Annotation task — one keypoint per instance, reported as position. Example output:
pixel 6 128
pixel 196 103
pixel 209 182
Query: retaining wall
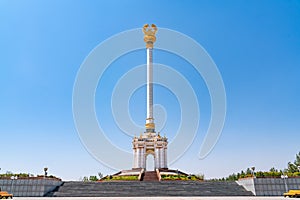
pixel 269 186
pixel 29 187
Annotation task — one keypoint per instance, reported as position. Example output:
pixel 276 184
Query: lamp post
pixel 12 183
pixel 284 177
pixel 253 169
pixel 46 172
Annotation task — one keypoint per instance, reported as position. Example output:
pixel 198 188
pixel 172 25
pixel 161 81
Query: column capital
pixel 149 35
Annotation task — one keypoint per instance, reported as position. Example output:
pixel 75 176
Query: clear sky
pixel 255 44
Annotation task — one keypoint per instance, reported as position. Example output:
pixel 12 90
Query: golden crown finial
pixel 149 34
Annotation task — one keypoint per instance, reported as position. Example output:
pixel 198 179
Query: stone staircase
pixel 149 188
pixel 150 176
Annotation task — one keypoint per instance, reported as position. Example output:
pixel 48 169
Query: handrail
pixel 158 174
pixel 141 173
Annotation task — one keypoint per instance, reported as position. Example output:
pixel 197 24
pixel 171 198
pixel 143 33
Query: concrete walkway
pixel 149 198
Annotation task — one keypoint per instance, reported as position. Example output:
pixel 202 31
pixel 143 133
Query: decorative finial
pixel 149 35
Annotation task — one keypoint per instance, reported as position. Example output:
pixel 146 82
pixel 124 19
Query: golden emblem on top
pixel 149 34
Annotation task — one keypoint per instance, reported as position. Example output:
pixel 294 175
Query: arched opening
pixel 150 162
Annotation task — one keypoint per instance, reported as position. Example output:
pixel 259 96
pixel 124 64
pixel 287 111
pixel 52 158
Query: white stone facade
pixel 150 143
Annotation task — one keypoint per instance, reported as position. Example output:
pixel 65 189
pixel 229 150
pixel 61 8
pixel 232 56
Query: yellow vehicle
pixel 292 193
pixel 5 195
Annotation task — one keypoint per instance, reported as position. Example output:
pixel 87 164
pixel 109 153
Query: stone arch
pixel 150 160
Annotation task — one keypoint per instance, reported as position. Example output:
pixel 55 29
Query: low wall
pixel 29 187
pixel 269 186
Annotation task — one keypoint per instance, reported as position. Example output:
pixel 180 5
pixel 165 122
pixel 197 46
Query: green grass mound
pixel 121 178
pixel 180 178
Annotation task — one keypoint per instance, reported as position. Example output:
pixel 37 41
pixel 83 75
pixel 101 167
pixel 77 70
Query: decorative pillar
pixel 161 158
pixel 144 158
pixel 156 158
pixel 141 158
pixel 166 160
pixel 134 158
pixel 138 157
pixel 149 38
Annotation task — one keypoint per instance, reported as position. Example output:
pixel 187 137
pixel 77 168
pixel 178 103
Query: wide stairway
pixel 141 188
pixel 150 176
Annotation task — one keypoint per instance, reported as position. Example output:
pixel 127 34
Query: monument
pixel 150 143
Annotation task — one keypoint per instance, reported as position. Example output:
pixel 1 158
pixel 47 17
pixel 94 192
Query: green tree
pixel 85 179
pixel 232 177
pixel 93 178
pixel 238 176
pixel 293 167
pixel 243 175
pixel 273 169
pixel 248 171
pixel 260 174
pixel 297 161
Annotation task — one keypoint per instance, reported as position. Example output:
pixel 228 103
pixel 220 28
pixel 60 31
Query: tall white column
pixel 158 158
pixel 138 157
pixel 149 86
pixel 143 158
pixel 161 158
pixel 134 158
pixel 166 161
pixel 156 161
pixel 149 38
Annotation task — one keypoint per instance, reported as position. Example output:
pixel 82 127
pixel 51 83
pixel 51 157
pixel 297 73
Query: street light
pixel 284 177
pixel 253 169
pixel 12 182
pixel 46 172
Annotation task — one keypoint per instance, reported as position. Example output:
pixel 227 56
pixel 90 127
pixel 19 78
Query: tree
pixel 273 169
pixel 293 167
pixel 100 175
pixel 297 161
pixel 200 176
pixel 248 171
pixel 85 179
pixel 93 178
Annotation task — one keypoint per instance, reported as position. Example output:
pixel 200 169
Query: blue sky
pixel 255 44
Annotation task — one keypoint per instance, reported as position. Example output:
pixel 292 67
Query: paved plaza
pixel 150 198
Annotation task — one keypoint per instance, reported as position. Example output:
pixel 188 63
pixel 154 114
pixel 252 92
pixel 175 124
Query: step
pixel 149 188
pixel 150 176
